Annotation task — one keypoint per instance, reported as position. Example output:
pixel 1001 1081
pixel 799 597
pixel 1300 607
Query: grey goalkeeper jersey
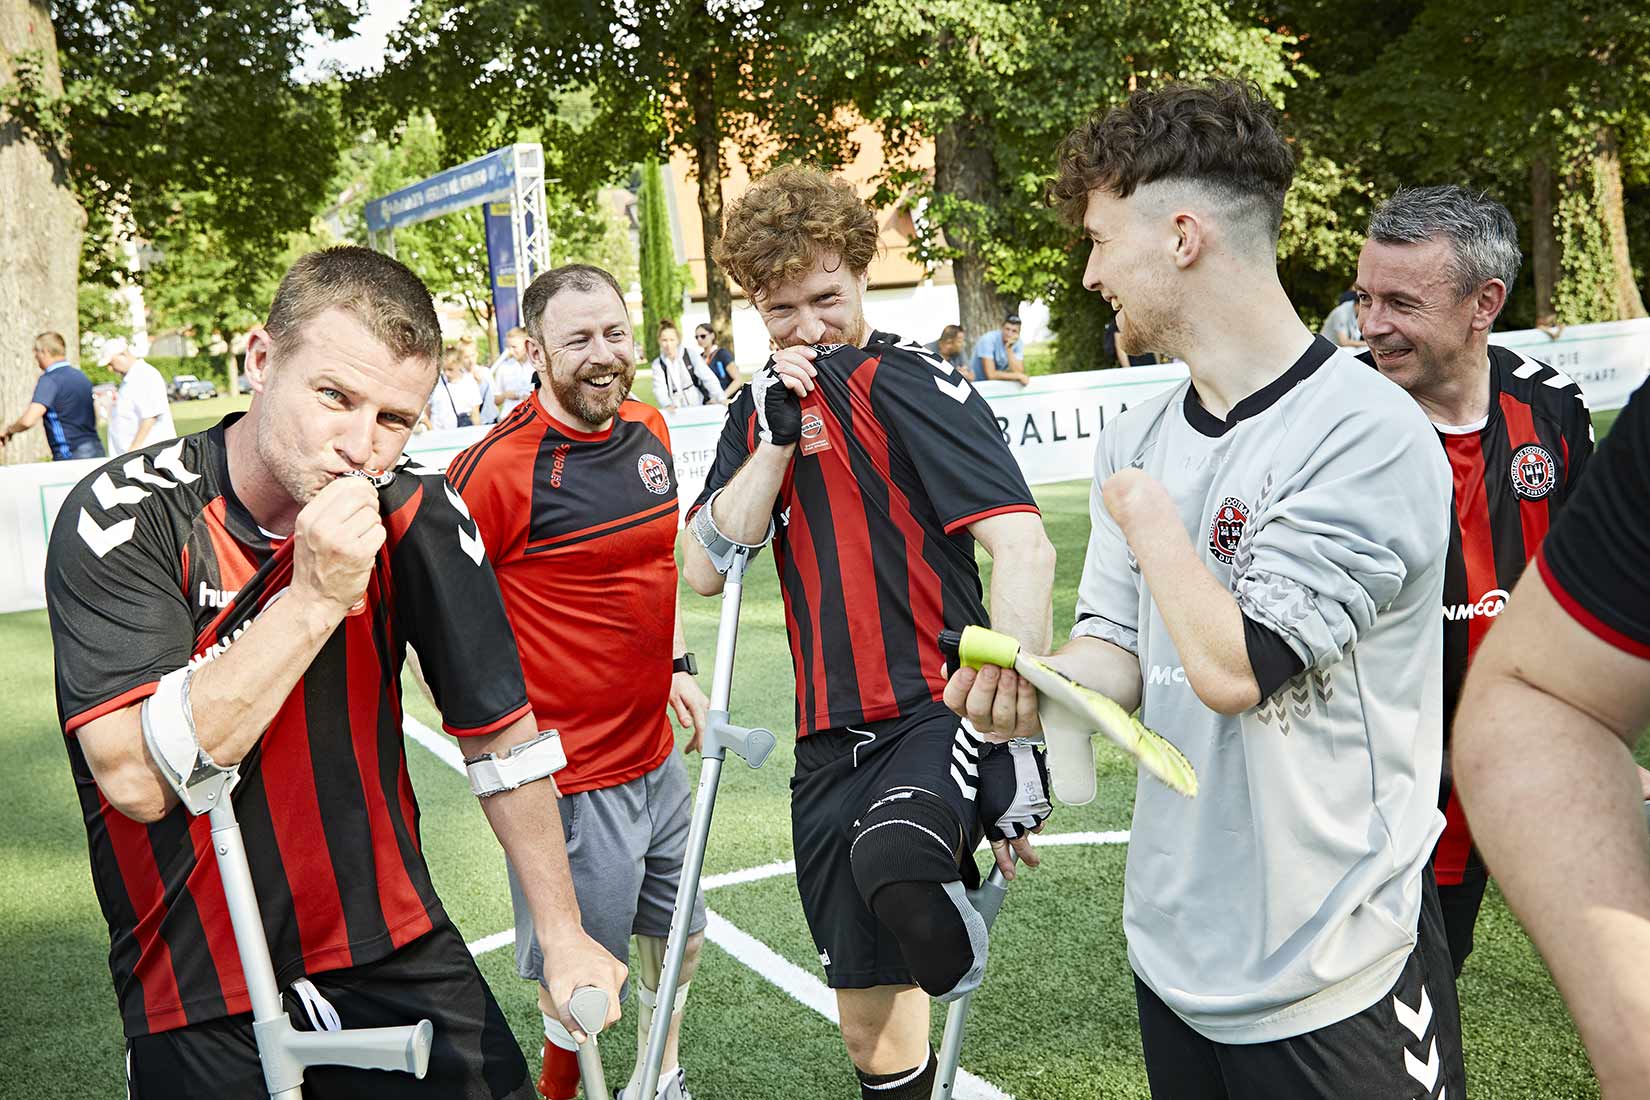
pixel 1285 897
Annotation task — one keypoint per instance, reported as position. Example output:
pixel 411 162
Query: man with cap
pixel 142 413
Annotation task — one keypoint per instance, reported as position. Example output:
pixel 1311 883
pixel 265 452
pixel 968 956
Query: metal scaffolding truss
pixel 528 221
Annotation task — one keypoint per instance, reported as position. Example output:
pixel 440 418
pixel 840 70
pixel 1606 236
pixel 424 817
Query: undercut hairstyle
pixel 1221 136
pixel 787 219
pixel 585 278
pixel 949 331
pixel 1482 235
pixel 52 344
pixel 380 292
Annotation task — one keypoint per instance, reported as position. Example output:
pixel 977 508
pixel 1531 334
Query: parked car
pixel 186 387
pixel 243 383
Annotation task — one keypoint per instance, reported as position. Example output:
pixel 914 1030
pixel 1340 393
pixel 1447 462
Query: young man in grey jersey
pixel 1262 579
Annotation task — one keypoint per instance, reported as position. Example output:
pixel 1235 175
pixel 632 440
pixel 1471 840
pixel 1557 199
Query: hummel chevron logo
pixel 458 503
pixel 929 357
pixel 171 461
pixel 1424 1072
pixel 134 471
pixel 956 391
pixel 1414 1020
pixel 110 497
pixel 470 544
pixel 102 540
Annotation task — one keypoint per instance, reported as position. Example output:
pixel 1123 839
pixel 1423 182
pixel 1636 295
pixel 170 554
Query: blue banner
pixel 501 266
pixel 472 182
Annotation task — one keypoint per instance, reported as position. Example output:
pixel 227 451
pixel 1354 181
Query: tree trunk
pixel 707 165
pixel 1607 166
pixel 964 169
pixel 1544 247
pixel 41 223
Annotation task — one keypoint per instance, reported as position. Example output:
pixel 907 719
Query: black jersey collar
pixel 1207 423
pixel 237 518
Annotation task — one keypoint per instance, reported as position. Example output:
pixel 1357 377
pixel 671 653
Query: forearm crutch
pixel 753 745
pixel 284 1051
pixel 988 900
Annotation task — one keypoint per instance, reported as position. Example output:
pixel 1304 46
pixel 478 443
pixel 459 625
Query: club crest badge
pixel 654 473
pixel 1227 529
pixel 1533 471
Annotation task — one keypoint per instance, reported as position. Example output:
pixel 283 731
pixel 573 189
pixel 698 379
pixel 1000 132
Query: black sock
pixel 910 1084
pixel 933 940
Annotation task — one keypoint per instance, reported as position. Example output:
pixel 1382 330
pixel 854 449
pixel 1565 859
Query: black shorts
pixel 1461 903
pixel 1375 1055
pixel 839 773
pixel 474 1055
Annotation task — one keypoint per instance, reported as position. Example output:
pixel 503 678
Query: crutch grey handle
pixel 286 1052
pixel 588 1007
pixel 988 899
pixel 751 744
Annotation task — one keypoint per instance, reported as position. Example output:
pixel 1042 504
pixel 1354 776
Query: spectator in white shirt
pixel 680 378
pixel 456 400
pixel 512 373
pixel 142 414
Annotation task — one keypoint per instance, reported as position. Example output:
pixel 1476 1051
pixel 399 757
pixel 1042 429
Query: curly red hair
pixel 788 218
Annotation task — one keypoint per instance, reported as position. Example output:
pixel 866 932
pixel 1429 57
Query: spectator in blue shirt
pixel 997 354
pixel 62 402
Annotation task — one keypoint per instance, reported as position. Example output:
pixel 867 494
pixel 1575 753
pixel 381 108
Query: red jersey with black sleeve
pixel 1593 562
pixel 898 455
pixel 154 563
pixel 1513 474
pixel 581 530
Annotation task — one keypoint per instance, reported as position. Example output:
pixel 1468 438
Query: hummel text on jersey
pixel 1489 605
pixel 216 597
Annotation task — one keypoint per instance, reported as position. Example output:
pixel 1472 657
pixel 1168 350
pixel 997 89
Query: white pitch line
pixel 492 943
pixel 768 964
pixel 749 874
pixel 435 742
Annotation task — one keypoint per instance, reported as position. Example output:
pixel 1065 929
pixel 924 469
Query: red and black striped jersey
pixel 154 563
pixel 898 455
pixel 1513 473
pixel 1594 561
pixel 581 530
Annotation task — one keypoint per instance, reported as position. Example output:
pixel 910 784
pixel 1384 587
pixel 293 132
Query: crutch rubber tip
pixel 588 1006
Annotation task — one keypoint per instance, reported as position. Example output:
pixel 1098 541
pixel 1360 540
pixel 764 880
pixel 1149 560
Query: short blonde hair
pixel 778 228
pixel 51 343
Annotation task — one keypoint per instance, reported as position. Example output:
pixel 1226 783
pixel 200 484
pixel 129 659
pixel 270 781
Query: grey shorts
pixel 626 846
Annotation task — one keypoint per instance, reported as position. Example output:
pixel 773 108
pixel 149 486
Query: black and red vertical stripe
pixel 870 568
pixel 1512 476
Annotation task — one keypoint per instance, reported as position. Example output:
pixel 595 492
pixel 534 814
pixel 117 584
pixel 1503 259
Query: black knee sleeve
pixel 905 854
pixel 912 1084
